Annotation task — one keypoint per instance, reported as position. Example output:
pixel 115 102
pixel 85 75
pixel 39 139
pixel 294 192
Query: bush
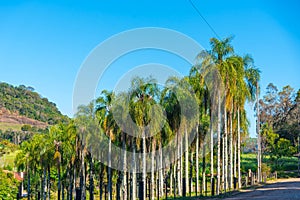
pixel 8 186
pixel 265 168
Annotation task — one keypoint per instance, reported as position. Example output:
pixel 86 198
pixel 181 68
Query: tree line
pixel 26 102
pixel 66 160
pixel 280 122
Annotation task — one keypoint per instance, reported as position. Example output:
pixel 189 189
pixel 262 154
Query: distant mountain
pixel 18 103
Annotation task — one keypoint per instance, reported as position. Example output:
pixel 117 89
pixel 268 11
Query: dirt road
pixel 282 189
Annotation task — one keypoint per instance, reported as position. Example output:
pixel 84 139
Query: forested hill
pixel 25 101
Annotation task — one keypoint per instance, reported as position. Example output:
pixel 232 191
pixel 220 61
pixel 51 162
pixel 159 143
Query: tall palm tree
pixel 222 52
pixel 104 104
pixel 143 95
pixel 172 108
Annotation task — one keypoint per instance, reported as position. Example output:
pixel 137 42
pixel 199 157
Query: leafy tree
pixel 8 186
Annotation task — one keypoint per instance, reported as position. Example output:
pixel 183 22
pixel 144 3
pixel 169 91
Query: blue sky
pixel 43 43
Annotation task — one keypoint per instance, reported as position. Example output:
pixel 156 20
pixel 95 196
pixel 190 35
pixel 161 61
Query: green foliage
pixel 275 146
pixel 8 186
pixel 28 103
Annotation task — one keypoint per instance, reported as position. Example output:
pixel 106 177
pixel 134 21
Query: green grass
pixel 6 126
pixel 8 159
pixel 286 166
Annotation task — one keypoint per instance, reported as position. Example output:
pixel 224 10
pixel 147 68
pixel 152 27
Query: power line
pixel 198 11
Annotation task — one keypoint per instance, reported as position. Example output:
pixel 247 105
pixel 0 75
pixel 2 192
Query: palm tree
pixel 172 108
pixel 222 52
pixel 143 95
pixel 104 104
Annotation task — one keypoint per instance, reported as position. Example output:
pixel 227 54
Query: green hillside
pixel 26 102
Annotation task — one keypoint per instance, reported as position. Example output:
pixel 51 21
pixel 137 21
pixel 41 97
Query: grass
pixel 6 126
pixel 7 160
pixel 286 166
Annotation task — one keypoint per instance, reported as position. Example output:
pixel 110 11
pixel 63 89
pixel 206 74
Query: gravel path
pixel 282 189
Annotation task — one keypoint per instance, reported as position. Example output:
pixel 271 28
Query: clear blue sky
pixel 43 43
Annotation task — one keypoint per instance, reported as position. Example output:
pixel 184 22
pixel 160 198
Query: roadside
pixel 279 189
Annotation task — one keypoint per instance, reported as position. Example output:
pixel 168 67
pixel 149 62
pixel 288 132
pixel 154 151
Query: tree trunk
pixel 48 183
pixel 181 164
pixel 43 191
pixel 203 167
pixel 175 179
pixel 230 152
pixel 91 178
pixel 239 151
pixel 109 175
pixel 134 173
pixel 186 149
pixel 179 167
pixel 124 193
pixel 70 195
pixel 59 182
pixel 82 178
pixel 197 160
pixel 153 169
pixel 62 191
pixel 191 174
pixel 101 181
pixel 144 166
pixel 28 183
pixel 226 149
pixel 234 158
pixel 223 162
pixel 211 154
pixel 219 147
pixel 171 179
pixel 161 177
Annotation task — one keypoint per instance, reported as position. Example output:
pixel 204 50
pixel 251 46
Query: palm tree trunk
pixel 171 179
pixel 109 172
pixel 235 158
pixel 58 183
pixel 43 193
pixel 181 165
pixel 186 160
pixel 134 173
pixel 175 179
pixel 48 182
pixel 91 178
pixel 124 167
pixel 197 160
pixel 191 174
pixel 219 147
pixel 62 191
pixel 203 167
pixel 211 155
pixel 239 150
pixel 161 177
pixel 82 177
pixel 144 166
pixel 226 149
pixel 152 170
pixel 230 152
pixel 101 181
pixel 28 183
pixel 223 162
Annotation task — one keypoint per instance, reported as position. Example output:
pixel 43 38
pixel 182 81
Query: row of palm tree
pixel 204 111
